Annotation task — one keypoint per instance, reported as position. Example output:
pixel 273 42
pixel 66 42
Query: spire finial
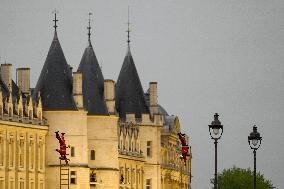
pixel 55 19
pixel 128 30
pixel 89 28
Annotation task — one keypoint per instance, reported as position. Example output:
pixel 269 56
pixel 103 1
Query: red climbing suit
pixel 184 148
pixel 62 149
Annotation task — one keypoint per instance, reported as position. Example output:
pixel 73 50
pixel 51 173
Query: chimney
pixel 77 89
pixel 109 95
pixel 6 75
pixel 153 98
pixel 23 76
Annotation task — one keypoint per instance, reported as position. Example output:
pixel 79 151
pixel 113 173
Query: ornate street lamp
pixel 216 131
pixel 254 140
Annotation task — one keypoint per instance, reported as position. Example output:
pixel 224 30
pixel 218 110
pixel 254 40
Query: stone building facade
pixel 119 136
pixel 22 133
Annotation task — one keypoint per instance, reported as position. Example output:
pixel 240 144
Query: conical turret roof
pixel 129 92
pixel 93 83
pixel 55 80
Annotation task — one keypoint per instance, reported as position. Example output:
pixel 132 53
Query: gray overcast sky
pixel 207 56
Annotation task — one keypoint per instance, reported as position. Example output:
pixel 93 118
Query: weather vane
pixel 55 19
pixel 128 29
pixel 89 27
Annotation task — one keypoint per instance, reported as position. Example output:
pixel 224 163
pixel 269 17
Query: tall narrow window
pixel 41 155
pixel 72 153
pixel 148 183
pixel 73 177
pixel 93 155
pixel 133 175
pixel 11 152
pixel 138 177
pixel 1 150
pixel 149 148
pixel 32 154
pixel 21 153
pixel 22 185
pixel 126 179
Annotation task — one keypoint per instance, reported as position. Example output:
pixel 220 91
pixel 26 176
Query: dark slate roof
pixel 55 80
pixel 129 92
pixel 93 83
pixel 5 90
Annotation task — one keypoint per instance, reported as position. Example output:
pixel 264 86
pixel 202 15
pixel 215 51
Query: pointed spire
pixel 128 31
pixel 55 70
pixel 89 29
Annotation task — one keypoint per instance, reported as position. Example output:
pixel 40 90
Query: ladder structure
pixel 64 175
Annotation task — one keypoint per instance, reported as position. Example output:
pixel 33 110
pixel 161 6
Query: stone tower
pixel 59 108
pixel 102 128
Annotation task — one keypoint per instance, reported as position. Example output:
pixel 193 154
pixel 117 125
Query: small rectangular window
pixel 93 177
pixel 73 177
pixel 149 148
pixel 93 155
pixel 72 153
pixel 148 183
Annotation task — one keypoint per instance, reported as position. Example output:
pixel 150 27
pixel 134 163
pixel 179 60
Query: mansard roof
pixel 55 80
pixel 93 83
pixel 129 92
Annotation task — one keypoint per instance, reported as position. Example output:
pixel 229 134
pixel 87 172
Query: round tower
pixel 62 114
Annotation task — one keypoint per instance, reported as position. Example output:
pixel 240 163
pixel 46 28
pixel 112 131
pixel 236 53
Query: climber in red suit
pixel 184 148
pixel 62 149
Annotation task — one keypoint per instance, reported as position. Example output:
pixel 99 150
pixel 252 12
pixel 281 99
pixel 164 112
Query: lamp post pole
pixel 215 133
pixel 254 169
pixel 215 175
pixel 254 140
